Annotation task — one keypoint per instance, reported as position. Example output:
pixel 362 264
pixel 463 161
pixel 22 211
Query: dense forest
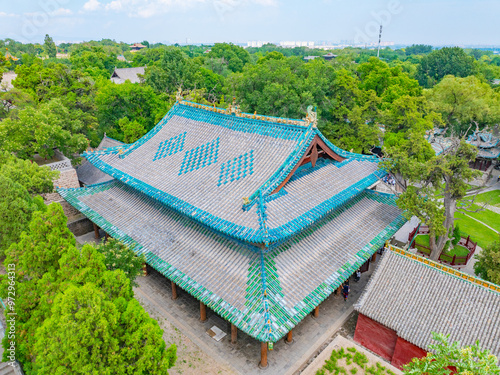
pixel 354 94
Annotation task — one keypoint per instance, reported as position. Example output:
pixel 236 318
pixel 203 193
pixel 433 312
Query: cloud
pixel 151 8
pixel 91 5
pixel 3 14
pixel 61 12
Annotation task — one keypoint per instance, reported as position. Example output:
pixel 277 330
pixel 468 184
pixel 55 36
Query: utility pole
pixel 379 39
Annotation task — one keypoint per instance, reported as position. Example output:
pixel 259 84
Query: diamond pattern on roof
pixel 170 146
pixel 201 156
pixel 239 167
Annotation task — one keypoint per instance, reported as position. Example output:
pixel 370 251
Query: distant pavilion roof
pixel 415 296
pixel 223 171
pixel 260 218
pixel 487 144
pixel 120 75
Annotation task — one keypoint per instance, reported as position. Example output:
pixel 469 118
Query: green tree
pixel 115 102
pixel 132 130
pixel 418 49
pixel 16 208
pixel 13 101
pixel 488 263
pixel 465 101
pixel 445 61
pixel 119 256
pixel 433 184
pixel 89 334
pixel 469 360
pixel 93 61
pixel 410 112
pixel 390 83
pixel 80 337
pixel 49 46
pixel 19 179
pixel 35 179
pixel 42 129
pixel 173 70
pixel 234 56
pixel 36 258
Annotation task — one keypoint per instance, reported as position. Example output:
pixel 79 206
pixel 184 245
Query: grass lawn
pixel 486 216
pixel 477 231
pixel 423 240
pixel 492 197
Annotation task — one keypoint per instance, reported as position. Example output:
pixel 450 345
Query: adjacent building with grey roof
pixel 414 296
pixel 132 74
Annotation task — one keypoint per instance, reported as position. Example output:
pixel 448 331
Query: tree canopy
pixel 488 263
pixel 469 360
pixel 442 62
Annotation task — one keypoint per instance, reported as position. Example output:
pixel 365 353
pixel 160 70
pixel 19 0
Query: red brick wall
pixel 376 337
pixel 404 352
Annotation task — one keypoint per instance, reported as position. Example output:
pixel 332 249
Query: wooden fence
pixel 445 258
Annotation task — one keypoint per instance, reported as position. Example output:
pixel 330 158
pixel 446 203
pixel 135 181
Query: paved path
pixel 154 293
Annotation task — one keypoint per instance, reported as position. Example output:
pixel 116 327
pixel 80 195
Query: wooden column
pixel 316 312
pixel 203 312
pixel 144 269
pixel 374 257
pixel 289 338
pixel 263 355
pixel 234 334
pixel 174 290
pixel 96 231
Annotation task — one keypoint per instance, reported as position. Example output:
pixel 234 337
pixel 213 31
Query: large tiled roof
pixel 90 175
pixel 265 292
pixel 415 296
pixel 203 163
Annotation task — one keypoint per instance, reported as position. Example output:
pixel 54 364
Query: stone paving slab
pixel 154 292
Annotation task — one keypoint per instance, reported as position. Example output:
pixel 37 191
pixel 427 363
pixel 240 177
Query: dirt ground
pixel 191 360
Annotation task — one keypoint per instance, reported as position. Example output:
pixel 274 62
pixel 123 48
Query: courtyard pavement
pixel 154 293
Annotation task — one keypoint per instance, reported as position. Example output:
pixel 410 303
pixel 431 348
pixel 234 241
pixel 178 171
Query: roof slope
pixel 203 162
pixel 90 175
pixel 120 75
pixel 265 293
pixel 415 296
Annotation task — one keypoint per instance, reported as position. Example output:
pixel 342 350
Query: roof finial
pixel 178 96
pixel 312 116
pixel 233 109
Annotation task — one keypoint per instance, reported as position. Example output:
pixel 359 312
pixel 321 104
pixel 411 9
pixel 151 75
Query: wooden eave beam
pixel 309 156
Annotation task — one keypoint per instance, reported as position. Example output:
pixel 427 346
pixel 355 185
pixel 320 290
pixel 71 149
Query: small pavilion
pixel 259 218
pixel 488 148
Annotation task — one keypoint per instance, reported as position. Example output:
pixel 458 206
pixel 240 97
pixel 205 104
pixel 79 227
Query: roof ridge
pixel 234 110
pixel 445 269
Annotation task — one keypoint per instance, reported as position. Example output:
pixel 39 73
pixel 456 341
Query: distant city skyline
pixel 438 22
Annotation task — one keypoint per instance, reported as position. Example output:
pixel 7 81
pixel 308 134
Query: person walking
pixel 357 275
pixel 345 290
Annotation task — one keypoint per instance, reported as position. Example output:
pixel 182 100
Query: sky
pixel 436 22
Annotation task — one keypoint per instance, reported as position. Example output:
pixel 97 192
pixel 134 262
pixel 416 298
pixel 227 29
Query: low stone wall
pixel 80 226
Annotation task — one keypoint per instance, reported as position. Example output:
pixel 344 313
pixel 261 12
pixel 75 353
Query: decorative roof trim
pixel 234 110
